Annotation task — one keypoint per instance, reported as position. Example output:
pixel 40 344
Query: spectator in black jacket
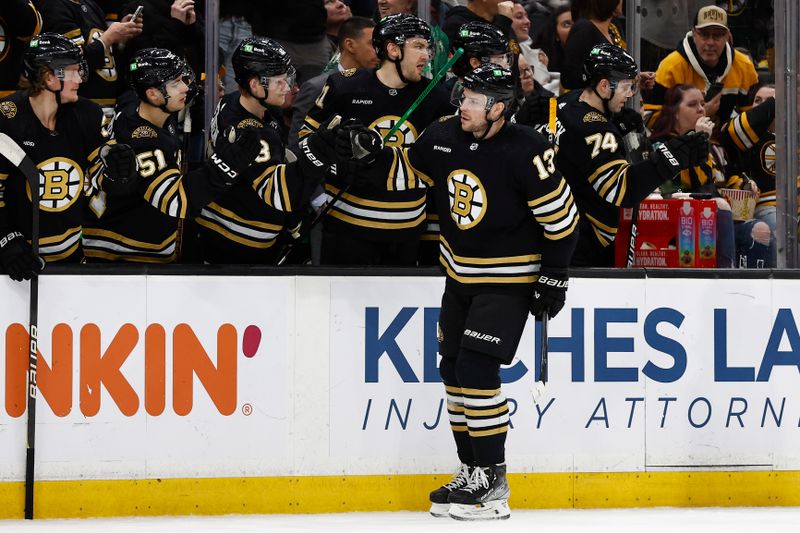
pixel 173 25
pixel 84 23
pixel 19 23
pixel 299 26
pixel 476 11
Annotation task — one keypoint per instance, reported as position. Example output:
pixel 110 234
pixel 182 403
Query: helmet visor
pixel 280 83
pixel 75 73
pixel 468 100
pixel 628 87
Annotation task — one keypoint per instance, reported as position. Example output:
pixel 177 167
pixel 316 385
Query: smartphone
pixel 714 90
pixel 137 13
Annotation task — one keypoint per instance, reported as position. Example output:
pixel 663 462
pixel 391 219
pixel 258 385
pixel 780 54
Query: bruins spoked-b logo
pixel 404 136
pixel 467 198
pixel 60 184
pixel 768 157
pixel 3 43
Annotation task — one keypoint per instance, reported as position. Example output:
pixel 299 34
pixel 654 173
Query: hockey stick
pixel 19 159
pixel 538 388
pixel 424 94
pixel 187 132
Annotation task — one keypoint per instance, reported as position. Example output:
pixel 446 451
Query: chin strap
pixel 399 68
pixel 605 101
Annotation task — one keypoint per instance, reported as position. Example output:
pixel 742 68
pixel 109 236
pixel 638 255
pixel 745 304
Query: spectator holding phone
pixel 706 59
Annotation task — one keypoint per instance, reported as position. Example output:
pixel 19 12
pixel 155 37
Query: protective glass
pixel 282 83
pixel 628 87
pixel 469 101
pixel 77 73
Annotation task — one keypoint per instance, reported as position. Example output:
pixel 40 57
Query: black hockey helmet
pixel 54 51
pixel 262 58
pixel 493 81
pixel 480 40
pixel 609 62
pixel 154 67
pixel 397 29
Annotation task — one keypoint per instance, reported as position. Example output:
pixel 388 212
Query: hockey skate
pixel 440 507
pixel 485 496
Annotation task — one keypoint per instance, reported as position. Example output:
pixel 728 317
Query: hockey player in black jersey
pixel 592 157
pixel 243 224
pixel 482 43
pixel 371 225
pixel 508 229
pixel 62 134
pixel 141 224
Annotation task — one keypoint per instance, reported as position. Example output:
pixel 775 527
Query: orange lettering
pixel 105 369
pixel 55 384
pixel 190 358
pixel 154 366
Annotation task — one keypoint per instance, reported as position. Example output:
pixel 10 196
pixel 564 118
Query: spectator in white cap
pixel 706 59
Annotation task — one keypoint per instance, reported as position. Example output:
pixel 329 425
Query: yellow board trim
pixel 330 494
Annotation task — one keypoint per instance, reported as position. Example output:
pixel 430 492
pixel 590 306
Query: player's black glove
pixel 319 148
pixel 234 151
pixel 550 292
pixel 120 175
pixel 679 152
pixel 17 258
pixel 535 110
pixel 628 120
pixel 358 143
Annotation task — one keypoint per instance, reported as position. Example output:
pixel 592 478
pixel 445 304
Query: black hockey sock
pixel 455 410
pixel 485 407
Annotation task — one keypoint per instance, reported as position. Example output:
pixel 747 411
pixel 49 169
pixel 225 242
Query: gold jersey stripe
pixel 213 206
pixel 509 260
pixel 110 235
pixel 55 239
pixel 368 223
pixel 133 258
pixel 213 226
pixel 389 206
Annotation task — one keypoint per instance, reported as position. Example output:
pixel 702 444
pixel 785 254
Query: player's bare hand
pixel 505 8
pixel 183 10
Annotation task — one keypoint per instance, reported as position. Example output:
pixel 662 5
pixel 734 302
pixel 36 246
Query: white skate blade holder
pixel 493 510
pixel 440 510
